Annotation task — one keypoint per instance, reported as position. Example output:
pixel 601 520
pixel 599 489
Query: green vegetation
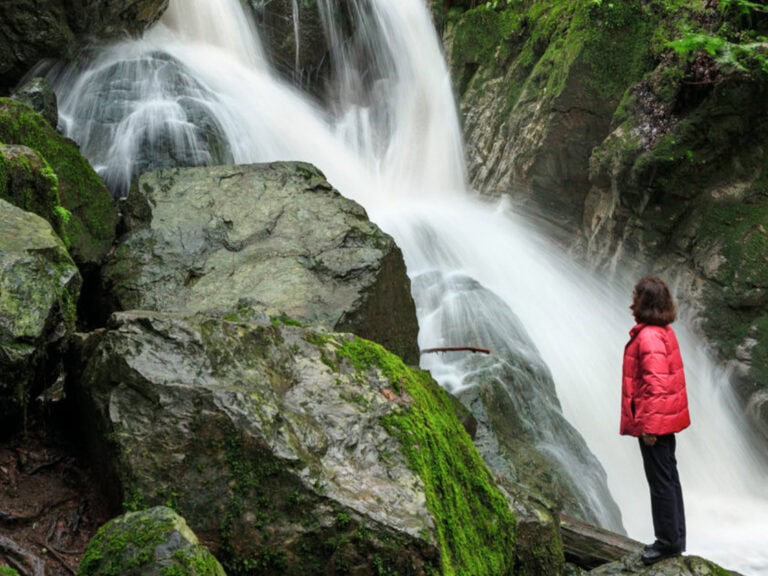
pixel 130 544
pixel 474 524
pixel 119 546
pixel 737 44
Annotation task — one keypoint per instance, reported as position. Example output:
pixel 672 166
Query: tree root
pixel 22 558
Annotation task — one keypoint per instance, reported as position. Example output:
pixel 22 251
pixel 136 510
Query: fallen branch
pixel 456 349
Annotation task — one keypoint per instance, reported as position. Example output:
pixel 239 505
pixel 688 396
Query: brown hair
pixel 652 302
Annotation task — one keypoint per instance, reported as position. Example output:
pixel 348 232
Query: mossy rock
pixel 304 452
pixel 153 542
pixel 91 228
pixel 39 289
pixel 28 182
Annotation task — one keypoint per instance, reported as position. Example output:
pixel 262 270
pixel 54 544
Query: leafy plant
pixel 735 46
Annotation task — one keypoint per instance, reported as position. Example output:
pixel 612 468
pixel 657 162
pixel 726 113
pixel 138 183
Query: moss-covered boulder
pixel 294 451
pixel 39 288
pixel 153 542
pixel 203 239
pixel 91 228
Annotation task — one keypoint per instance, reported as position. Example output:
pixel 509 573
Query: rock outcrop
pixel 204 239
pixel 39 288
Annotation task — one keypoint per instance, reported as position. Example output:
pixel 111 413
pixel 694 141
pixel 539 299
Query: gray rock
pixel 39 288
pixel 153 542
pixel 115 101
pixel 203 239
pixel 39 94
pixel 677 566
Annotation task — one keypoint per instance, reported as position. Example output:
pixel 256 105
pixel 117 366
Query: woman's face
pixel 634 304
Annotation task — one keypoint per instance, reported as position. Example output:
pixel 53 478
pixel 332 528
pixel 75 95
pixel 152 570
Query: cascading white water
pixel 392 142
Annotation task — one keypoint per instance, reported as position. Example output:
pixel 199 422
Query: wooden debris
pixel 589 546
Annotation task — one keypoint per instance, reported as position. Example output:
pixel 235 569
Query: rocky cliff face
pixel 37 29
pixel 649 156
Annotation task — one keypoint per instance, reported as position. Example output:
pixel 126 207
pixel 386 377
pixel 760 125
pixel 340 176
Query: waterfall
pixel 197 89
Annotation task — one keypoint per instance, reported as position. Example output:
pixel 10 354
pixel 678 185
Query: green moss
pixel 116 548
pixel 284 320
pixel 475 527
pixel 197 560
pixel 741 230
pixel 8 571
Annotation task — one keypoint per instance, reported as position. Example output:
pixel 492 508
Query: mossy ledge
pixel 475 526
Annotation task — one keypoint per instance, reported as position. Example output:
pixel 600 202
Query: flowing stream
pixel 198 87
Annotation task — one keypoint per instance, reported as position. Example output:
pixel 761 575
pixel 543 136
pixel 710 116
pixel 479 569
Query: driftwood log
pixel 588 546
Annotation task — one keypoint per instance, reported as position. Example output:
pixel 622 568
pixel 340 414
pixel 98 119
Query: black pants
pixel 666 494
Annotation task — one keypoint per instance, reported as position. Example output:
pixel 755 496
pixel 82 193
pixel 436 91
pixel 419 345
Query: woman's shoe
pixel 652 555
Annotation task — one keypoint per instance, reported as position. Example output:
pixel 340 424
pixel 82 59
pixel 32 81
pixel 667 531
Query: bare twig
pixel 456 349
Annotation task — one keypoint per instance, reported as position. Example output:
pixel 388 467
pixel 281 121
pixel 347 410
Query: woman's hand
pixel 649 439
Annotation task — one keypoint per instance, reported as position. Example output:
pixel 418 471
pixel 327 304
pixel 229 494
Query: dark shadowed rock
pixel 39 94
pixel 31 31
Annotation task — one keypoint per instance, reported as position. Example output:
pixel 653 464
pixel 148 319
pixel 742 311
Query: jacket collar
pixel 636 329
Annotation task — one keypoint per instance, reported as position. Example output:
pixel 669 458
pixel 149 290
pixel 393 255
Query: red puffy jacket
pixel 653 396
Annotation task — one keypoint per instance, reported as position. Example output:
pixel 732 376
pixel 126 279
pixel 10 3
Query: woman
pixel 654 407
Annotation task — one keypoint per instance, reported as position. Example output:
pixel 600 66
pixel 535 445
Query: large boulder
pixel 152 542
pixel 204 239
pixel 293 450
pixel 39 288
pixel 90 227
pixel 31 31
